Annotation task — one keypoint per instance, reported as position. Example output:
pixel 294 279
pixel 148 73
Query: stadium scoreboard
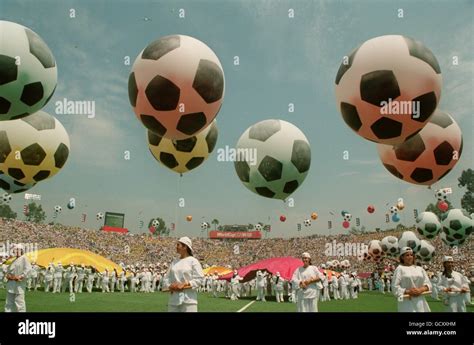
pixel 115 220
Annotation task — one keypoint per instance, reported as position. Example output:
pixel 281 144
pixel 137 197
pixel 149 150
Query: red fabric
pixel 285 265
pixel 112 229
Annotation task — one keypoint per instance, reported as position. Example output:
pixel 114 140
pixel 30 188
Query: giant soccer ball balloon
pixel 375 250
pixel 457 226
pixel 409 239
pixel 32 148
pixel 384 69
pixel 428 156
pixel 28 72
pixel 183 155
pixel 176 86
pixel 428 225
pixel 283 158
pixel 10 185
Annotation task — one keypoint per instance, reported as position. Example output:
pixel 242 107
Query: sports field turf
pixel 157 302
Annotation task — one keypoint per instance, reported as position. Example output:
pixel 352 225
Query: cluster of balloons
pixel 308 221
pixel 387 91
pixel 34 145
pixel 453 226
pixel 347 217
pixel 176 88
pixel 390 246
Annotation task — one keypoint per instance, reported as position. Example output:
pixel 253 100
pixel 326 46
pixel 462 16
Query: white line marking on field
pixel 245 307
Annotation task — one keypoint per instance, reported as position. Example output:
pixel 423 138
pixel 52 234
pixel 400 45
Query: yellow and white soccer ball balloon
pixel 183 155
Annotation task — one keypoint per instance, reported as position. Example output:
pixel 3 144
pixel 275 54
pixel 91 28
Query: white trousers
pixel 279 296
pixel 183 308
pixel 15 302
pixel 260 294
pixel 305 305
pixel 456 304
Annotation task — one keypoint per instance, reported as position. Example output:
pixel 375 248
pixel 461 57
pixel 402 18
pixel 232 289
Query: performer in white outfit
pixel 278 284
pixel 58 277
pixel 261 281
pixel 409 282
pixel 90 274
pixel 81 274
pixel 454 286
pixel 235 286
pixel 334 287
pixel 16 276
pixel 183 278
pixel 48 277
pixel 105 281
pixel 305 280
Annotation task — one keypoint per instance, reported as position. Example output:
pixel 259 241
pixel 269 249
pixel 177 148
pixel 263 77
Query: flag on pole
pixel 299 227
pixel 387 218
pixel 329 224
pixel 26 210
pixel 83 218
pixel 357 221
pixel 415 213
pixel 172 226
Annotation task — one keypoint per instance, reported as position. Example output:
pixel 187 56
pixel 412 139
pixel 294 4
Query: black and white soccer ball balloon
pixel 409 239
pixel 428 225
pixel 307 222
pixel 457 226
pixel 441 195
pixel 389 246
pixel 274 158
pixel 28 72
pixel 394 209
pixel 204 225
pixel 99 216
pixel 426 252
pixel 58 209
pixel 6 198
pixel 155 223
pixel 347 217
pixel 258 227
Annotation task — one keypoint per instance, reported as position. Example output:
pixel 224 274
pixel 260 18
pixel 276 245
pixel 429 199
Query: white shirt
pixel 20 267
pixel 407 277
pixel 307 273
pixel 457 282
pixel 181 271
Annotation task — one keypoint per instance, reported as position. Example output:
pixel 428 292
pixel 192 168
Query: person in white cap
pixel 305 280
pixel 81 274
pixel 235 286
pixel 48 277
pixel 410 283
pixel 16 274
pixel 183 278
pixel 278 284
pixel 454 287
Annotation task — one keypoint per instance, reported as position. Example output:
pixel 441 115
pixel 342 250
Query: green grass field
pixel 157 302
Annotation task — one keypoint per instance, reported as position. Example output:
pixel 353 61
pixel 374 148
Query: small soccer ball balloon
pixel 389 246
pixel 314 216
pixel 409 239
pixel 276 157
pixel 307 222
pixel 176 86
pixel 99 216
pixel 395 218
pixel 346 224
pixel 189 218
pixel 428 156
pixel 6 198
pixel 426 252
pixel 282 218
pixel 393 209
pixel 385 69
pixel 155 223
pixel 58 209
pixel 258 227
pixel 428 225
pixel 347 217
pixel 441 195
pixel 28 72
pixel 371 209
pixel 204 226
pixel 457 225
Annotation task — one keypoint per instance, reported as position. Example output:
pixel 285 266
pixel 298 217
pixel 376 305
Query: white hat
pixel 306 255
pixel 187 241
pixel 405 250
pixel 448 259
pixel 323 265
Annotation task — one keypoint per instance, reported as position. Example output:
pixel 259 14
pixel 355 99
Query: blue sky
pixel 282 61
